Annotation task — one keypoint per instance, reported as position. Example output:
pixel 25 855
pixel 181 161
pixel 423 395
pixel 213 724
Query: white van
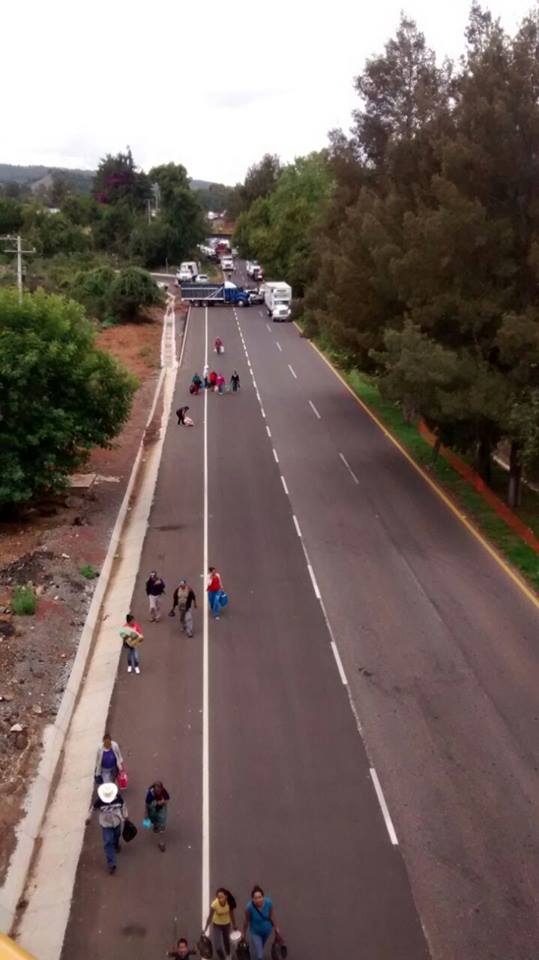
pixel 227 263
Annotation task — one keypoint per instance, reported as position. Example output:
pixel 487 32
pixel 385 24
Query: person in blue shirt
pixel 260 921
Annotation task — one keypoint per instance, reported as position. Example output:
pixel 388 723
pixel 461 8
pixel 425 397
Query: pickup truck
pixel 208 294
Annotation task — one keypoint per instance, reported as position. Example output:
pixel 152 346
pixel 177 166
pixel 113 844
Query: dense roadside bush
pixel 59 394
pixel 113 296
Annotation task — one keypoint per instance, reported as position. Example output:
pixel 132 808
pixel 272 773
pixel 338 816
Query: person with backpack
pixel 222 920
pixel 260 921
pixel 184 598
pixel 112 813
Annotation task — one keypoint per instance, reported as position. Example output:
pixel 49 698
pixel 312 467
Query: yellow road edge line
pixel 527 591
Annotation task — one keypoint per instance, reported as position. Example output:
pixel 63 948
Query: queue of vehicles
pixel 275 296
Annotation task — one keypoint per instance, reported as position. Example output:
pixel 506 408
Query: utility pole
pixel 19 251
pixel 149 210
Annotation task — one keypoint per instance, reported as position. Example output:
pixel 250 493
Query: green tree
pixel 261 179
pixel 181 212
pixel 11 215
pixel 59 395
pixel 92 289
pixel 279 228
pixel 131 290
pixel 53 233
pixel 118 180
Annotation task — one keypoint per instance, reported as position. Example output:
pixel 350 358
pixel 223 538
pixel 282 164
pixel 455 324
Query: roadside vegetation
pixel 417 241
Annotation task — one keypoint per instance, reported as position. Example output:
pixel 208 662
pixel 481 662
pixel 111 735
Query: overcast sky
pixel 212 85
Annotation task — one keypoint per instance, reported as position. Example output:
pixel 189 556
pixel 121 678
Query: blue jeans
pixel 111 840
pixel 259 941
pixel 132 656
pixel 213 600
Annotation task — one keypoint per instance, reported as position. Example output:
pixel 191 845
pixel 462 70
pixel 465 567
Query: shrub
pixel 88 571
pixel 23 601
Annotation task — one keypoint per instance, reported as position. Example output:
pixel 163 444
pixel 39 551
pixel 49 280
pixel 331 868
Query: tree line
pixel 413 242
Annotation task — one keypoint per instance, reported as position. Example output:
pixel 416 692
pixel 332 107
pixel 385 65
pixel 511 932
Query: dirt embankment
pixel 59 549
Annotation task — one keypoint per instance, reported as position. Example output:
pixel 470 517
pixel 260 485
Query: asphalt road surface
pixel 437 647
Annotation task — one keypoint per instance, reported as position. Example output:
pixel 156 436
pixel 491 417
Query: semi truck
pixel 208 294
pixel 278 300
pixel 253 269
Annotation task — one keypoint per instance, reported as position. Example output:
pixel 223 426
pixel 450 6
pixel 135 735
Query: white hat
pixel 107 792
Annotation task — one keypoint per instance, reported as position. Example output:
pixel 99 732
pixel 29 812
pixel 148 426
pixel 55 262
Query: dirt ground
pixel 49 549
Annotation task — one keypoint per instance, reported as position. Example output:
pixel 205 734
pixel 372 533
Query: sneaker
pixel 129 669
pixel 137 669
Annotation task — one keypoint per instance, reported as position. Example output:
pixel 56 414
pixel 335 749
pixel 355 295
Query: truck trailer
pixel 278 300
pixel 208 294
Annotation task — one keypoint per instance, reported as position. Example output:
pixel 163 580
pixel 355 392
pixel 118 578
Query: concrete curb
pixel 54 736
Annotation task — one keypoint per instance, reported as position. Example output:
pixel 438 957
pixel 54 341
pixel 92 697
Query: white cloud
pixel 196 84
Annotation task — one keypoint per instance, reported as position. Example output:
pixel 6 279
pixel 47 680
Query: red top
pixel 214 584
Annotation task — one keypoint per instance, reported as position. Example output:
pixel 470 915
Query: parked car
pixel 227 263
pixel 202 278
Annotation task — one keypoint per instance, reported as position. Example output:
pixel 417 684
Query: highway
pixel 373 652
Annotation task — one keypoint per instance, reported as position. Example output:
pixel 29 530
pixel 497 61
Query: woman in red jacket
pixel 214 588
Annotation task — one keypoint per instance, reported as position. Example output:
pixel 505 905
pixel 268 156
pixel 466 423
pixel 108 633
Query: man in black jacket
pixel 155 587
pixel 184 598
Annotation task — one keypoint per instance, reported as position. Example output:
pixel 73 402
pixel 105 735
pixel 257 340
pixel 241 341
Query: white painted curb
pixel 54 736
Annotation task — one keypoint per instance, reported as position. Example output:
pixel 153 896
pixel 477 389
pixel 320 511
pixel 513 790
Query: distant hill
pixel 36 176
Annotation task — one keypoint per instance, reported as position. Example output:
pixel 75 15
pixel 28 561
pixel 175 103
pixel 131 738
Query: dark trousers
pixel 111 842
pixel 220 935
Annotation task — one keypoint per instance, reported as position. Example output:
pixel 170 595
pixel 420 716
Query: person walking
pixel 220 383
pixel 196 383
pixel 132 636
pixel 184 598
pixel 180 413
pixel 214 588
pixel 222 920
pixel 205 375
pixel 260 921
pixel 112 813
pixel 213 380
pixel 235 381
pixel 109 761
pixel 156 809
pixel 155 588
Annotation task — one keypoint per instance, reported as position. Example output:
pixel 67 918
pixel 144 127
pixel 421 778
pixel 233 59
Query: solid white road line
pixel 296 524
pixel 314 410
pixel 278 345
pixel 263 412
pixel 293 372
pixel 383 807
pixel 349 468
pixel 275 457
pixel 339 663
pixel 268 431
pixel 268 326
pixel 283 481
pixel 205 677
pixel 315 585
